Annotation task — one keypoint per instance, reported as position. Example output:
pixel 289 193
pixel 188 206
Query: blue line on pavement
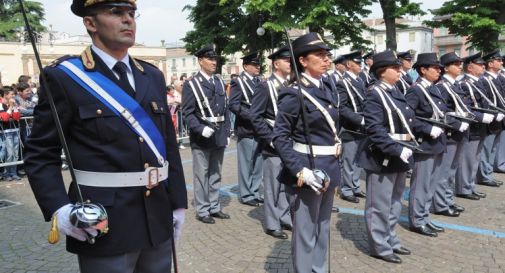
pixel 228 151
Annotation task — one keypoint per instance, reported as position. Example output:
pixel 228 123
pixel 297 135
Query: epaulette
pixel 139 66
pixel 87 59
pixel 60 60
pixel 305 82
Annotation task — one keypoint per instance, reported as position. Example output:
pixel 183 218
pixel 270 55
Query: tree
pixel 11 18
pixel 393 9
pixel 481 20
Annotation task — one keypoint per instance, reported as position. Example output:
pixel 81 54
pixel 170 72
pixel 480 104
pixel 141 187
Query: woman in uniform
pixel 310 192
pixel 386 156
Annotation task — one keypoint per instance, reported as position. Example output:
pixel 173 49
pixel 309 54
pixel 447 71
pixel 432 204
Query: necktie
pixel 211 80
pixel 256 80
pixel 120 68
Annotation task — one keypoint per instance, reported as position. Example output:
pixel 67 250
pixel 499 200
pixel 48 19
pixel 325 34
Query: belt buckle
pixel 153 178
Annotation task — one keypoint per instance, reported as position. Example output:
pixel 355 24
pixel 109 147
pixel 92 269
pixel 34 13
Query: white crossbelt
pixel 150 177
pixel 317 150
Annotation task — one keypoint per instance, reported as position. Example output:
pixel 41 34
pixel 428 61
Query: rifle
pixel 437 122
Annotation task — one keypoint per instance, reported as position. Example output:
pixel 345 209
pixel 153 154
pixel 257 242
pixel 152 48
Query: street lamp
pixel 260 31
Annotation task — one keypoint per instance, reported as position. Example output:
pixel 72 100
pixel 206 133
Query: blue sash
pixel 130 104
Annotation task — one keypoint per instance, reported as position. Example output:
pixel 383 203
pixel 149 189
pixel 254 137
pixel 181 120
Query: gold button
pixel 146 165
pixel 141 139
pixel 98 111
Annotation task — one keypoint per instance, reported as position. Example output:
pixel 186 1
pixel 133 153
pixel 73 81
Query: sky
pixel 159 19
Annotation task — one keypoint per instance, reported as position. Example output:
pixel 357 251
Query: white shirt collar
pixel 389 86
pixel 281 80
pixel 316 82
pixel 494 75
pixel 353 76
pixel 472 77
pixel 110 61
pixel 449 78
pixel 426 82
pixel 248 76
pixel 207 77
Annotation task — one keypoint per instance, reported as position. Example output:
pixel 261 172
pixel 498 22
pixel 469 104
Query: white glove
pixel 363 121
pixel 207 132
pixel 499 117
pixel 66 228
pixel 272 145
pixel 463 127
pixel 179 215
pixel 487 118
pixel 406 153
pixel 310 180
pixel 227 142
pixel 436 132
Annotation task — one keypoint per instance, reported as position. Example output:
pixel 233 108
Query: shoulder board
pixel 60 60
pixel 87 58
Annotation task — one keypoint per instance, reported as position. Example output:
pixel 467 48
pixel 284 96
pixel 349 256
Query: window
pixel 173 62
pixel 183 62
pixel 443 31
pixel 441 51
pixel 457 50
pixel 412 37
pixel 380 39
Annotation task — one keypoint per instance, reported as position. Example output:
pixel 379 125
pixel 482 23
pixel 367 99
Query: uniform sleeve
pixel 236 105
pixel 347 111
pixel 375 125
pixel 259 106
pixel 190 108
pixel 43 147
pixel 285 123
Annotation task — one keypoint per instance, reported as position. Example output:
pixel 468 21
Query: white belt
pixel 317 150
pixel 401 137
pixel 149 178
pixel 215 119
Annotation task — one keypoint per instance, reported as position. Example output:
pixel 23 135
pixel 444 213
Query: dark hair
pixel 184 75
pixel 6 90
pixel 22 86
pixel 378 72
pixel 418 69
pixel 23 78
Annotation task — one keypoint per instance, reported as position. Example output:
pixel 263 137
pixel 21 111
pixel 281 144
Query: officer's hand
pixel 66 228
pixel 463 127
pixel 207 132
pixel 179 216
pixel 487 118
pixel 436 132
pixel 406 154
pixel 499 117
pixel 310 180
pixel 362 121
pixel 227 142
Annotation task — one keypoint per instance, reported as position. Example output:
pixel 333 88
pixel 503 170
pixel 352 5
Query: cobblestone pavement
pixel 473 242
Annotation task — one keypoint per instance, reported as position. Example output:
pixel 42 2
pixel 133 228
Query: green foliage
pixel 11 18
pixel 481 20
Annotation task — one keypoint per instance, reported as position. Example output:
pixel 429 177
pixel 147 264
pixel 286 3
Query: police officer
pixel 124 170
pixel 471 152
pixel 353 88
pixel 204 107
pixel 263 112
pixel 365 74
pixel 496 92
pixel 443 198
pixel 250 161
pixel 429 104
pixel 389 122
pixel 309 192
pixel 405 81
pixel 340 68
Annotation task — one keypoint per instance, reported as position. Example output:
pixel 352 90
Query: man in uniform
pixel 263 112
pixel 204 107
pixel 353 88
pixel 340 68
pixel 250 161
pixel 365 75
pixel 405 81
pixel 496 92
pixel 116 164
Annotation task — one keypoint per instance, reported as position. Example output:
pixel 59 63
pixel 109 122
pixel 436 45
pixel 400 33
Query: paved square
pixel 473 242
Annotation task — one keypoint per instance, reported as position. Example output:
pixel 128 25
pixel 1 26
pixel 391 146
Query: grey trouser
pixel 499 162
pixel 350 170
pixel 250 168
pixel 311 215
pixel 470 158
pixel 207 166
pixel 485 173
pixel 276 203
pixel 443 197
pixel 422 187
pixel 148 260
pixel 382 211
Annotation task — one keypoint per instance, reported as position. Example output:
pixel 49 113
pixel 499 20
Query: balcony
pixel 449 40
